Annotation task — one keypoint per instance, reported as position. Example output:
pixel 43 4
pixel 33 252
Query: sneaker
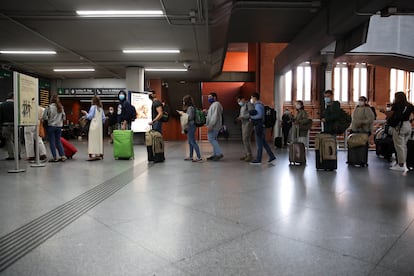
pixel 248 158
pixel 255 162
pixel 398 168
pixel 218 157
pixel 243 158
pixel 62 159
pixel 188 159
pixel 271 159
pixel 53 160
pixel 211 157
pixel 197 160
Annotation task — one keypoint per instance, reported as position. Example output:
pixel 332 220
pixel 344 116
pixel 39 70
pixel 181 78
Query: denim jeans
pixel 53 134
pixel 212 138
pixel 261 142
pixel 192 141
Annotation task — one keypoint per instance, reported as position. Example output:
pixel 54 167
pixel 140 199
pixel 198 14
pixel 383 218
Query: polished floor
pixel 114 217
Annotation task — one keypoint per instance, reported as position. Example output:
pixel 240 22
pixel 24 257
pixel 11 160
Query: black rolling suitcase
pixel 358 156
pixel 325 152
pixel 358 149
pixel 384 146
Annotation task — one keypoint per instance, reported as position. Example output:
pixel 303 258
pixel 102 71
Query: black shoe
pixel 9 158
pixel 271 159
pixel 218 157
pixel 211 157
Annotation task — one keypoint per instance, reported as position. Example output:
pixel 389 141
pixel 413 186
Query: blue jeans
pixel 53 134
pixel 192 141
pixel 212 138
pixel 261 142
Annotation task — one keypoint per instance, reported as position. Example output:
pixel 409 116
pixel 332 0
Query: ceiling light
pixel 74 70
pixel 165 70
pixel 148 51
pixel 28 52
pixel 126 13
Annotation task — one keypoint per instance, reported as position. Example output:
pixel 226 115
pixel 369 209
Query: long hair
pixel 55 99
pixel 187 101
pixel 400 98
pixel 97 101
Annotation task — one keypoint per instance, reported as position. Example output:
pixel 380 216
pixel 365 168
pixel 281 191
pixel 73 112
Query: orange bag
pixel 41 130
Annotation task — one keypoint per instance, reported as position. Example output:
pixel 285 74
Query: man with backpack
pixel 157 111
pixel 126 112
pixel 257 117
pixel 214 123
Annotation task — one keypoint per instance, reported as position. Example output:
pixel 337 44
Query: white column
pixel 135 79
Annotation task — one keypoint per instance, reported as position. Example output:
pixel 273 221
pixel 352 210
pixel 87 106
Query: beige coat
pixel 362 119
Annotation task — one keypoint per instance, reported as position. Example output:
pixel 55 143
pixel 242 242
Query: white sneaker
pixel 398 168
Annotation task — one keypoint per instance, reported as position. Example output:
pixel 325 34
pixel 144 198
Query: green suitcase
pixel 123 144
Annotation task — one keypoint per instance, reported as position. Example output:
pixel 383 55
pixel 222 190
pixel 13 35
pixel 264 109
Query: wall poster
pixel 27 99
pixel 142 104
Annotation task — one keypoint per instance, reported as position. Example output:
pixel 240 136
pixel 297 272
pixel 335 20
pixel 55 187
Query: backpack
pixel 165 113
pixel 269 117
pixel 342 123
pixel 199 118
pixel 130 112
pixel 398 117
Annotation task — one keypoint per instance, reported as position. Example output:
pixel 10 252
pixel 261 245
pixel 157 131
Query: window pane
pixel 288 86
pixel 308 81
pixel 400 80
pixel 299 83
pixel 337 83
pixel 363 84
pixel 344 80
pixel 393 83
pixel 357 90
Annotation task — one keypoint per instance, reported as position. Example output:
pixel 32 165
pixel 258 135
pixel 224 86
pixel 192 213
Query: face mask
pixel 111 111
pixel 361 103
pixel 121 97
pixel 251 101
pixel 298 106
pixel 327 100
pixel 241 103
pixel 388 108
pixel 287 112
pixel 211 100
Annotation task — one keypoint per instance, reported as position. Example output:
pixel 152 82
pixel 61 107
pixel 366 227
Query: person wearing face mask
pixel 332 113
pixel 362 117
pixel 246 127
pixel 257 116
pixel 286 125
pixel 301 120
pixel 111 116
pixel 214 122
pixel 124 116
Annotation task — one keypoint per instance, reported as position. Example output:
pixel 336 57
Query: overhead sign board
pixel 82 92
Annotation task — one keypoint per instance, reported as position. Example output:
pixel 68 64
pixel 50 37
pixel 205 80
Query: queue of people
pixel 251 117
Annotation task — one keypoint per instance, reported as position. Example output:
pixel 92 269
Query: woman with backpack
pixel 399 121
pixel 188 107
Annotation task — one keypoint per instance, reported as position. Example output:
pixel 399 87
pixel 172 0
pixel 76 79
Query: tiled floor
pixel 209 218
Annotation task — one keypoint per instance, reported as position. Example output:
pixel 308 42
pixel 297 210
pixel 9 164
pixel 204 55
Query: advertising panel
pixel 28 100
pixel 142 104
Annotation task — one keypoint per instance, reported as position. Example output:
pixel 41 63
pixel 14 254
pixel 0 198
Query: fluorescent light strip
pixel 75 70
pixel 27 52
pixel 147 51
pixel 165 70
pixel 121 13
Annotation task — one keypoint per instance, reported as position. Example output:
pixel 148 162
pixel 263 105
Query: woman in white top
pixel 96 116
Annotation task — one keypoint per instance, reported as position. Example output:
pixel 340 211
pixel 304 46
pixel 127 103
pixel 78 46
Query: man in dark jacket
pixel 332 112
pixel 124 116
pixel 7 124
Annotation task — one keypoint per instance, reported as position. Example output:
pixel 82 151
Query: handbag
pixel 41 129
pixel 357 140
